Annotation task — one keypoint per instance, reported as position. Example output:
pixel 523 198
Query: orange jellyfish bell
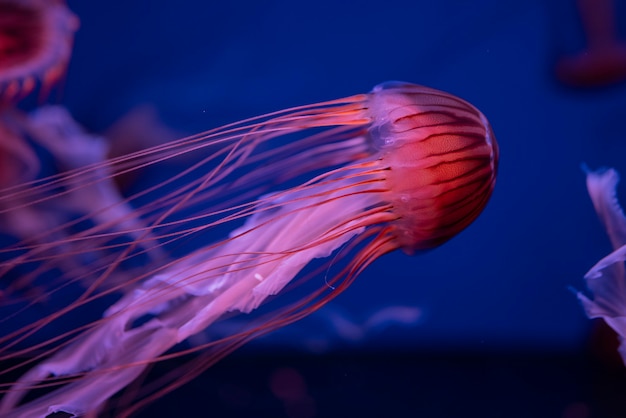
pixel 402 167
pixel 442 157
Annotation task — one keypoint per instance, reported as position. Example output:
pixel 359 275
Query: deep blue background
pixel 500 285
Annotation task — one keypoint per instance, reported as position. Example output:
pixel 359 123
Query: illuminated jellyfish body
pixel 607 279
pixel 403 167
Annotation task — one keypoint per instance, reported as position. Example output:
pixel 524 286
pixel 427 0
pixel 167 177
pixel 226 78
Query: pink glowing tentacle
pixel 112 210
pixel 271 125
pixel 54 128
pixel 320 150
pixel 257 261
pixel 43 226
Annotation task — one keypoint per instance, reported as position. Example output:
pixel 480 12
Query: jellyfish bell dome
pixel 442 160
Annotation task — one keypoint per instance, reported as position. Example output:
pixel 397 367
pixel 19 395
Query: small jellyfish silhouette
pixel 333 184
pixel 603 62
pixel 607 279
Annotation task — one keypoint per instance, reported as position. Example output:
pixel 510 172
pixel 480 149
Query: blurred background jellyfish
pixel 36 39
pixel 607 279
pixel 35 45
pixel 345 181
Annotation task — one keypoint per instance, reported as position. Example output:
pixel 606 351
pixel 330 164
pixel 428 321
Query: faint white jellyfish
pixel 607 278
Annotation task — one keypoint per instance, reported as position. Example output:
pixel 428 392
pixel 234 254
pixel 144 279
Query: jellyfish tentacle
pixel 257 261
pixel 370 181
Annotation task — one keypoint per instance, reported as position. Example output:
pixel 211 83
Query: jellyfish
pixel 607 278
pixel 306 198
pixel 35 45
